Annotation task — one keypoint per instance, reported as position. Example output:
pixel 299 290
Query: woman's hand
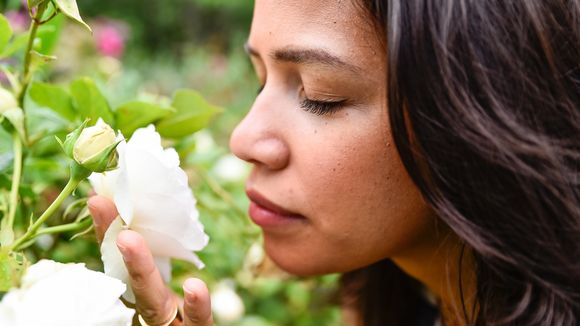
pixel 154 301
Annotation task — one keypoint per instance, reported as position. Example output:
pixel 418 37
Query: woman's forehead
pixel 342 28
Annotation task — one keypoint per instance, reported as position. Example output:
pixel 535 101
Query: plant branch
pixel 64 227
pixel 27 76
pixel 16 177
pixel 32 230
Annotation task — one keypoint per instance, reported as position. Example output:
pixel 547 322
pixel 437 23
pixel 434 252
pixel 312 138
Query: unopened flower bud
pixel 95 146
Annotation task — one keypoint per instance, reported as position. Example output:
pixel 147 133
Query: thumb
pixel 197 305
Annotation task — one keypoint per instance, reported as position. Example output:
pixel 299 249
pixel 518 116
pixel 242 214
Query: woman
pixel 422 148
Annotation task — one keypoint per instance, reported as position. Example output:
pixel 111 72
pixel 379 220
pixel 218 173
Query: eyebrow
pixel 305 56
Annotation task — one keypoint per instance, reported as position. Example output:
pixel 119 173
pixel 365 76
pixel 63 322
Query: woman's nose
pixel 259 139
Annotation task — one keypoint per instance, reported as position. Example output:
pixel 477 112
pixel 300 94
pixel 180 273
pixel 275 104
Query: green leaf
pixel 16 118
pixel 136 114
pixel 49 33
pixel 17 44
pixel 85 232
pixel 193 113
pixel 34 3
pixel 20 41
pixel 37 60
pixel 46 171
pixel 90 102
pixel 40 59
pixel 5 32
pixel 53 97
pixel 74 208
pixel 69 8
pixel 70 140
pixel 12 267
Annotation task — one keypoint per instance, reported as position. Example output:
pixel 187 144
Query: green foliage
pixel 135 114
pixel 193 113
pixel 69 8
pixel 54 97
pixel 5 32
pixel 15 117
pixel 12 266
pixel 90 102
pixel 34 3
pixel 48 35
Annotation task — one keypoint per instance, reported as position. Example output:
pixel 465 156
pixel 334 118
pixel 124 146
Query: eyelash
pixel 321 107
pixel 317 107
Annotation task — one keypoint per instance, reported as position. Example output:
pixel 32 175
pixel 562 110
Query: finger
pixel 104 212
pixel 197 306
pixel 155 303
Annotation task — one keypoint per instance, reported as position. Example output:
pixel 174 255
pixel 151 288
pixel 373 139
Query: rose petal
pixel 149 174
pixel 164 266
pixel 149 140
pixel 112 258
pixel 163 245
pixel 104 183
pixel 123 196
pixel 169 215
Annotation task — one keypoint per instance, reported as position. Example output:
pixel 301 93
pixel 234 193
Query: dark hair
pixel 484 100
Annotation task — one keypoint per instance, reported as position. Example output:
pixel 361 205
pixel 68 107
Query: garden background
pixel 148 50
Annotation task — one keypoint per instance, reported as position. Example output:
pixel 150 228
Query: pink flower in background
pixel 110 40
pixel 18 20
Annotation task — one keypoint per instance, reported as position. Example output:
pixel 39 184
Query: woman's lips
pixel 267 214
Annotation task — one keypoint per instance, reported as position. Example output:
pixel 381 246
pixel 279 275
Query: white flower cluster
pixel 55 294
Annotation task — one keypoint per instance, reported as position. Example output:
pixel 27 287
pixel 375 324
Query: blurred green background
pixel 149 49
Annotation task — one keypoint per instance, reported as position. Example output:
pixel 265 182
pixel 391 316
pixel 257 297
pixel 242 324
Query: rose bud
pixel 94 148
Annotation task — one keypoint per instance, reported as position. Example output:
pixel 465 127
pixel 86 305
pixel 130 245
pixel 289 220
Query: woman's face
pixel 327 186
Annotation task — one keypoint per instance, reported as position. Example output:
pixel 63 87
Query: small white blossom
pixel 55 294
pixel 226 304
pixel 229 168
pixel 204 142
pixel 153 198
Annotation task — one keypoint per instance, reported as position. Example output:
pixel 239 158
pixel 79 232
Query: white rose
pixel 153 198
pixel 94 142
pixel 55 294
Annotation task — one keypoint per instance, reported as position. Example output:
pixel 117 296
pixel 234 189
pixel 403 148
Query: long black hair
pixel 484 107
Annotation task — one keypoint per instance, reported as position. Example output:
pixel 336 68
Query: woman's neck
pixel 435 262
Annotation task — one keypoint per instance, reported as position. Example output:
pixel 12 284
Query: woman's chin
pixel 299 262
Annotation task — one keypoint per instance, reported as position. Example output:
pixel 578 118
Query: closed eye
pixel 321 107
